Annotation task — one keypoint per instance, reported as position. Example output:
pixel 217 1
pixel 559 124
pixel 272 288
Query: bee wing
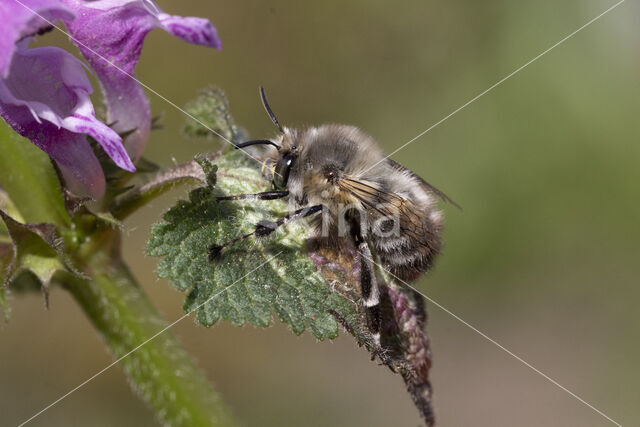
pixel 388 205
pixel 428 187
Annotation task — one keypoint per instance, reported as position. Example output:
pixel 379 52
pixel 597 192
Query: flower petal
pixel 190 29
pixel 79 166
pixel 53 86
pixel 20 19
pixel 115 29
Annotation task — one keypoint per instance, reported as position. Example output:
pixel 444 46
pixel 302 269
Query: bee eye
pixel 283 167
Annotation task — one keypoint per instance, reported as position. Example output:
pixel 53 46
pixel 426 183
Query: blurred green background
pixel 545 257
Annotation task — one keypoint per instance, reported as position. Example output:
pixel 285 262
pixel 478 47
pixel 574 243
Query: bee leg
pixel 265 195
pixel 370 291
pixel 368 281
pixel 264 228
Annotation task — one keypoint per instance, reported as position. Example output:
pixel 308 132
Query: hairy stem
pixel 159 184
pixel 157 366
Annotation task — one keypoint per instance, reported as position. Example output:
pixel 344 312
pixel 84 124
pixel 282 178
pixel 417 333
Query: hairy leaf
pixel 253 278
pixel 210 111
pixel 35 248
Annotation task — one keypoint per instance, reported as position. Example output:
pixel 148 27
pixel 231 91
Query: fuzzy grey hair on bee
pixel 379 206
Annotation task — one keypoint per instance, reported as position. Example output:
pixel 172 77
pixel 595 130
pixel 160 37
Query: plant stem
pixel 158 368
pixel 159 184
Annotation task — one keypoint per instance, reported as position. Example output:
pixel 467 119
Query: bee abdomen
pixel 407 258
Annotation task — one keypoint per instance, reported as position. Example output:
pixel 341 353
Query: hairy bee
pixel 339 175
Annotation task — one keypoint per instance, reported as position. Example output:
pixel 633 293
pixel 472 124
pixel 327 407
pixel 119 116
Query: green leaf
pixel 210 111
pixel 35 248
pixel 7 206
pixel 28 176
pixel 209 169
pixel 254 278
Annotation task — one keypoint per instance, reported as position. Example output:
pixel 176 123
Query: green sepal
pixel 36 248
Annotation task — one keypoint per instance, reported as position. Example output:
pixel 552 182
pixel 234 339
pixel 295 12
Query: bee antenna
pixel 257 142
pixel 263 96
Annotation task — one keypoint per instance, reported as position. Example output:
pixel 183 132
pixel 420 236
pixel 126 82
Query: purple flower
pixel 44 92
pixel 128 22
pixel 45 97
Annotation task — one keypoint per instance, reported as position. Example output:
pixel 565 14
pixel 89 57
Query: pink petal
pixel 115 30
pixel 190 29
pixel 71 151
pixel 80 168
pixel 19 20
pixel 53 86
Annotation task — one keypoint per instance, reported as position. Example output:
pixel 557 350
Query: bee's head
pixel 287 151
pixel 283 167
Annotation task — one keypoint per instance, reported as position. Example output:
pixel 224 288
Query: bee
pixel 339 176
